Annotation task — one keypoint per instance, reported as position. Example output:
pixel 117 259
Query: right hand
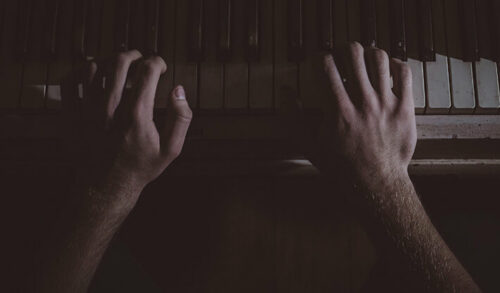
pixel 371 127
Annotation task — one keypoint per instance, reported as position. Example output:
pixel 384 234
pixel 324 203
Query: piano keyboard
pixel 237 55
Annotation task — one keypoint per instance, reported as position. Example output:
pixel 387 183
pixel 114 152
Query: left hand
pixel 122 146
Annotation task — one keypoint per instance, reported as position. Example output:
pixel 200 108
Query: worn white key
pixel 462 82
pixel 436 73
pixel 261 72
pixel 438 86
pixel 286 72
pixel 417 66
pixel 211 70
pixel 417 70
pixel 488 96
pixel 461 73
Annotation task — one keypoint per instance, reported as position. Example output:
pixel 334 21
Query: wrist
pixel 377 182
pixel 118 195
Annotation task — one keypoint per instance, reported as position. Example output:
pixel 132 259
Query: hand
pixel 371 127
pixel 122 146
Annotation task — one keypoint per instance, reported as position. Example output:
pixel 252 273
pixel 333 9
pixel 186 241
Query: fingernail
pixel 179 93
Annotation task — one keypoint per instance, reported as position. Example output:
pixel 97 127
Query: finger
pixel 179 117
pixel 118 79
pixel 361 80
pixel 144 92
pixel 402 78
pixel 340 96
pixel 377 63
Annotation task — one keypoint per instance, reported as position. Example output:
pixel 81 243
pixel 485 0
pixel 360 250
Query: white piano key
pixel 461 73
pixel 417 70
pixel 488 95
pixel 436 73
pixel 488 100
pixel 438 86
pixel 462 82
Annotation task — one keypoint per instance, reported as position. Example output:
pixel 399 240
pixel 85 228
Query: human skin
pixel 368 140
pixel 122 152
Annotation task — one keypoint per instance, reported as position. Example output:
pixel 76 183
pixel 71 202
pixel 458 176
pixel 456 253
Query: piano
pixel 235 57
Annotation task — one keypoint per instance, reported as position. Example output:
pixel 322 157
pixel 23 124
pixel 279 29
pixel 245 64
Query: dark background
pixel 244 234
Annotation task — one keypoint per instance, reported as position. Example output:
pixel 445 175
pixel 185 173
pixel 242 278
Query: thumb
pixel 178 119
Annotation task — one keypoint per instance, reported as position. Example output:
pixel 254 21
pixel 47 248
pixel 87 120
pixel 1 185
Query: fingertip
pixel 179 93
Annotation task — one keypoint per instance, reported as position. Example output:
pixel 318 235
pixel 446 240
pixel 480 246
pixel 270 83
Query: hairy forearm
pixel 71 257
pixel 397 213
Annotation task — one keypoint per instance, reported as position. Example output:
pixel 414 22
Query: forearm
pixel 71 258
pixel 398 215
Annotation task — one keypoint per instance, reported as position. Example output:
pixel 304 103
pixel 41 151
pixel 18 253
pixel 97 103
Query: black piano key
pixel 224 30
pixel 296 50
pixel 52 20
pixel 469 30
pixel 485 29
pixel 152 21
pixel 253 30
pixel 426 31
pixel 325 12
pixel 2 17
pixel 93 30
pixel 24 19
pixel 368 23
pixel 398 28
pixel 122 24
pixel 137 38
pixel 36 30
pixel 495 24
pixel 195 30
pixel 80 27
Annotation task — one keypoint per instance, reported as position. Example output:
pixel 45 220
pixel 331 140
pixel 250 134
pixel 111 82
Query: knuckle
pixel 173 153
pixel 154 64
pixel 405 71
pixel 327 61
pixel 356 48
pixel 125 58
pixel 184 113
pixel 380 55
